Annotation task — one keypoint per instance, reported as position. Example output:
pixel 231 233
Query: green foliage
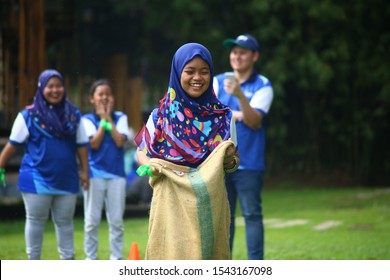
pixel 328 62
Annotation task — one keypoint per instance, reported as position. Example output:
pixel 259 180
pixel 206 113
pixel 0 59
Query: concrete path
pixel 283 223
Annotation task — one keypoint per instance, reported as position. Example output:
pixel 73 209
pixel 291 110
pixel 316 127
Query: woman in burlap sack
pixel 186 147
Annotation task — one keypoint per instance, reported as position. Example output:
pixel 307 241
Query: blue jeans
pixel 247 185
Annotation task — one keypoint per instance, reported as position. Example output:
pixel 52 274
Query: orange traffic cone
pixel 134 252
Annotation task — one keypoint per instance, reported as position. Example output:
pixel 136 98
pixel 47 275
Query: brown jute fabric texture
pixel 189 215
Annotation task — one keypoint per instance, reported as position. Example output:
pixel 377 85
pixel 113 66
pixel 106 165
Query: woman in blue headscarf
pixel 186 146
pixel 51 133
pixel 190 122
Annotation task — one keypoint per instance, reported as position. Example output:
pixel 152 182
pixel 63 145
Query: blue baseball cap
pixel 245 41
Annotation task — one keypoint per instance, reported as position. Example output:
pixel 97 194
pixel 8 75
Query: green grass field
pixel 300 224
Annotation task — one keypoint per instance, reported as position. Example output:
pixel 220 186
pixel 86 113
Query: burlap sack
pixel 189 215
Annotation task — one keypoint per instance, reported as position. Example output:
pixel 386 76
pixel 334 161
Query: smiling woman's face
pixel 195 78
pixel 54 91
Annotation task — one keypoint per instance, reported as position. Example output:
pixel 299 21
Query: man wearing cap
pixel 249 95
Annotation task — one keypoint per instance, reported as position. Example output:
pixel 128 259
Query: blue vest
pixel 108 160
pixel 251 143
pixel 49 165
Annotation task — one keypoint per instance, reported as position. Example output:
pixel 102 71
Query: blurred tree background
pixel 328 61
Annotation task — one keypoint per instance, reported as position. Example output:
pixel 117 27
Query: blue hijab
pixel 188 129
pixel 60 120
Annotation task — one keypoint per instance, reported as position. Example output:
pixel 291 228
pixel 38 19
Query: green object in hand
pixel 107 126
pixel 2 177
pixel 144 170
